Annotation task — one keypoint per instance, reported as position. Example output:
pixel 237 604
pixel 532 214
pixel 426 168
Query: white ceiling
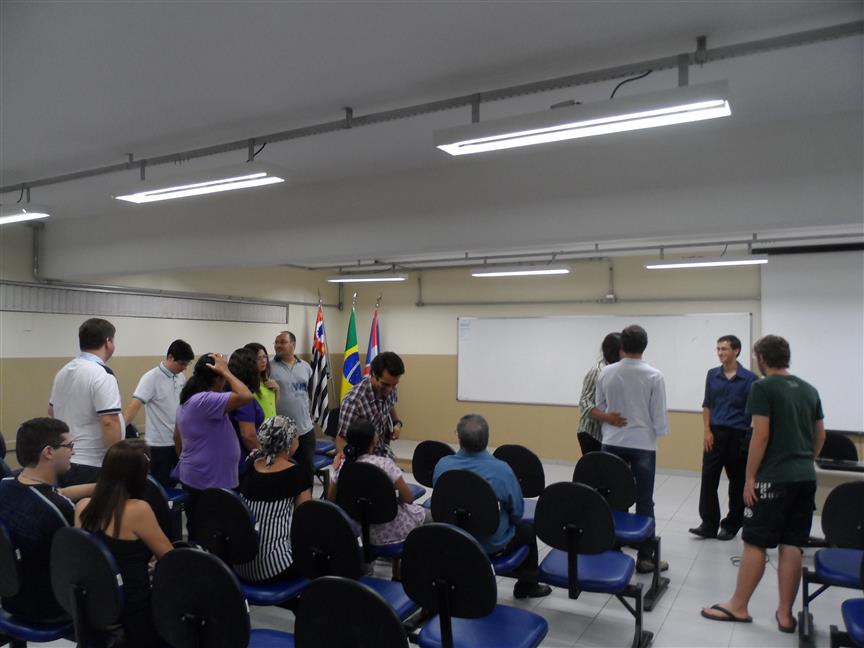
pixel 84 83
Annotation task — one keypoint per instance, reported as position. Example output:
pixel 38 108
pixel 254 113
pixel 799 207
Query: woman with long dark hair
pixel 209 451
pixel 268 392
pixel 118 514
pixel 247 418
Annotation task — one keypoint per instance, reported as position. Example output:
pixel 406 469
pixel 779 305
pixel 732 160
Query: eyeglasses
pixel 70 445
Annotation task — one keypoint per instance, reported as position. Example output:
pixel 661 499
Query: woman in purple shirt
pixel 209 451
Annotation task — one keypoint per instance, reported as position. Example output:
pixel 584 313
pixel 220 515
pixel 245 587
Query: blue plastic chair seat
pixel 528 512
pixel 177 495
pixel 630 527
pixel 608 572
pixel 320 462
pixel 270 639
pixel 506 626
pixel 273 593
pixel 393 550
pixel 507 563
pixel 841 567
pixel 428 503
pixel 34 632
pixel 853 617
pixel 416 490
pixel 394 594
pixel 323 447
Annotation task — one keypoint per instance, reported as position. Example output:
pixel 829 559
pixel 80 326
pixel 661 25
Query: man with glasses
pixel 32 509
pixel 374 398
pixel 159 392
pixel 86 396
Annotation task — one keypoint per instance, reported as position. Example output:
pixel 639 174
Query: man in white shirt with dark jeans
pixel 637 392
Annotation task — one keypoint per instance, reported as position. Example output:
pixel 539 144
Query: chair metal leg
pixel 641 638
pixel 658 583
pixel 805 618
pixel 839 639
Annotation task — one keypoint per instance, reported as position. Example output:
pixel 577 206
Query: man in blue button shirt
pixel 727 434
pixel 512 532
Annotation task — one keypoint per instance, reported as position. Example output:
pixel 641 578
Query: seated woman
pixel 207 444
pixel 268 392
pixel 361 441
pixel 272 488
pixel 118 514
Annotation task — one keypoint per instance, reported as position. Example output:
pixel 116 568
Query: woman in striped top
pixel 272 488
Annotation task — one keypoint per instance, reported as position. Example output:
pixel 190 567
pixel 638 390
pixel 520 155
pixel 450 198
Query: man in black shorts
pixel 780 482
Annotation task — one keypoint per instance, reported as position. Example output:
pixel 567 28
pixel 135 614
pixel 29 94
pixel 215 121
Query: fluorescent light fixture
pixel 367 278
pixel 206 182
pixel 685 104
pixel 20 213
pixel 716 262
pixel 520 271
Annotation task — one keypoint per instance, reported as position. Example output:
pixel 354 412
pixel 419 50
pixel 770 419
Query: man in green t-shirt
pixel 780 482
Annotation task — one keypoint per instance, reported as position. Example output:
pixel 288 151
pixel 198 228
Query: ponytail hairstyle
pixel 123 477
pixel 359 437
pixel 203 378
pixel 243 363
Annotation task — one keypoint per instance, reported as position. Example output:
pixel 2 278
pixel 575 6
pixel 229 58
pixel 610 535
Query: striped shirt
pixel 270 497
pixel 362 402
pixel 588 401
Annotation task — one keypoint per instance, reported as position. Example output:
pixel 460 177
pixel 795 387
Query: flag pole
pixel 330 381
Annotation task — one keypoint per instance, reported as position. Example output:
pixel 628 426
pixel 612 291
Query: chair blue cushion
pixel 609 571
pixel 505 564
pixel 320 462
pixel 630 527
pixel 176 495
pixel 35 632
pixel 394 594
pixel 417 490
pixel 528 513
pixel 841 567
pixel 323 447
pixel 506 626
pixel 270 639
pixel 273 593
pixel 853 617
pixel 428 503
pixel 393 550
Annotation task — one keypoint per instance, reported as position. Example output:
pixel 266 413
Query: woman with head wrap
pixel 272 487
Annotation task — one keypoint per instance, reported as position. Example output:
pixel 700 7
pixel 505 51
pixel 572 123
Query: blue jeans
pixel 642 463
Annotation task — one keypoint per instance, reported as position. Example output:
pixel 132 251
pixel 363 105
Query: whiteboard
pixel 543 360
pixel 816 302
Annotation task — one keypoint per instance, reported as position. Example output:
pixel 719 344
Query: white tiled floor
pixel 701 573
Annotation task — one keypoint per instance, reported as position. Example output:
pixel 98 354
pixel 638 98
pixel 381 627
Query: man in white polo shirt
pixel 159 392
pixel 86 397
pixel 637 391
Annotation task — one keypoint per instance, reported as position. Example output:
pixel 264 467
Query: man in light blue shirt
pixel 637 391
pixel 512 532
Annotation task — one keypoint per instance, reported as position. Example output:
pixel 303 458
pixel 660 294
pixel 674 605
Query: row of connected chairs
pixel 853 618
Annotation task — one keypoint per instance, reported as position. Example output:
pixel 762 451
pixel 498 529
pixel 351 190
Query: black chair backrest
pixel 5 469
pixel 156 497
pixel 225 526
pixel 574 518
pixel 466 500
pixel 86 581
pixel 197 602
pixel 332 426
pixel 366 493
pixel 609 476
pixel 2 446
pixel 363 618
pixel 843 516
pixel 445 569
pixel 10 565
pixel 323 542
pixel 426 457
pixel 838 447
pixel 527 467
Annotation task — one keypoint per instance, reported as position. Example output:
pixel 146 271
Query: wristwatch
pixel 399 423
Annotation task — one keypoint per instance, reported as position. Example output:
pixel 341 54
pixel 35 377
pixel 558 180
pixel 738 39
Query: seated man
pixel 32 509
pixel 512 532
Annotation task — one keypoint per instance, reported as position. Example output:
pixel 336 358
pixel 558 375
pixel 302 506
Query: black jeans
pixel 162 462
pixel 525 535
pixel 729 452
pixel 79 474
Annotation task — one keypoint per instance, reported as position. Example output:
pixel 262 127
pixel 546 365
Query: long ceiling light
pixel 520 271
pixel 685 104
pixel 20 213
pixel 705 262
pixel 207 182
pixel 367 278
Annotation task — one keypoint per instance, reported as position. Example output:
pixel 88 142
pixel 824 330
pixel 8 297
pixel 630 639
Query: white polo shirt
pixel 159 391
pixel 84 390
pixel 637 391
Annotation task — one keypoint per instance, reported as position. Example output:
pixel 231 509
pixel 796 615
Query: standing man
pixel 636 392
pixel 86 397
pixel 780 482
pixel 293 376
pixel 374 398
pixel 727 433
pixel 159 392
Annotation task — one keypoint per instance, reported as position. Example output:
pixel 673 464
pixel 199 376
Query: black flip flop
pixel 786 629
pixel 729 616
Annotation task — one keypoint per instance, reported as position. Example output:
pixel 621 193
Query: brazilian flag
pixel 351 372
